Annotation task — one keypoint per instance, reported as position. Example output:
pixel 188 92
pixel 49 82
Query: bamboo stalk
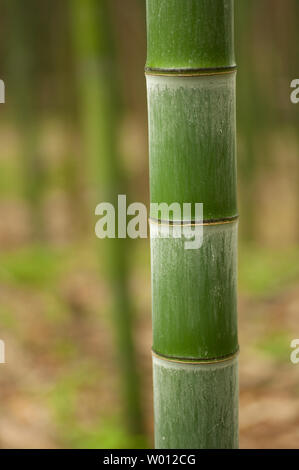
pixel 191 105
pixel 100 105
pixel 23 79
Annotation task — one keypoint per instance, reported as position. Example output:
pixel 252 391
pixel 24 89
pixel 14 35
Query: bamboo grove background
pixel 75 311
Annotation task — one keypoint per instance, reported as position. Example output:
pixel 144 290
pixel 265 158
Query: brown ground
pixel 59 387
pixel 38 358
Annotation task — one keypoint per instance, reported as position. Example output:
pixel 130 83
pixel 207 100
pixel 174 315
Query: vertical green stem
pixel 192 131
pixel 100 107
pixel 23 80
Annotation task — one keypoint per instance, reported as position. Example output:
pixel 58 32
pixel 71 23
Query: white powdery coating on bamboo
pixel 156 83
pixel 195 405
pixel 170 260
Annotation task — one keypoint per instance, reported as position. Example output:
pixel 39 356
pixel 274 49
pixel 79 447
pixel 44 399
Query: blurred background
pixel 75 310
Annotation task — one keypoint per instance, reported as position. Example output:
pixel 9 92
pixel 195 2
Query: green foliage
pixel 108 434
pixel 8 321
pixel 35 265
pixel 276 345
pixel 9 178
pixel 265 271
pixel 65 398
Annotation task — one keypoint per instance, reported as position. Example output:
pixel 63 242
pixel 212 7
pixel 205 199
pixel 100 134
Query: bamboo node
pixel 197 361
pixel 183 223
pixel 190 72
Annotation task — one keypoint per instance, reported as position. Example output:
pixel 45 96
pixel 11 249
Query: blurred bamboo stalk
pixel 100 108
pixel 23 82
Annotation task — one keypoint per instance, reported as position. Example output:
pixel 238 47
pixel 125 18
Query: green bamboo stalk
pixel 100 106
pixel 190 74
pixel 23 80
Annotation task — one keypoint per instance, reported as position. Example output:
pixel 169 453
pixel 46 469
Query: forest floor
pixel 59 386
